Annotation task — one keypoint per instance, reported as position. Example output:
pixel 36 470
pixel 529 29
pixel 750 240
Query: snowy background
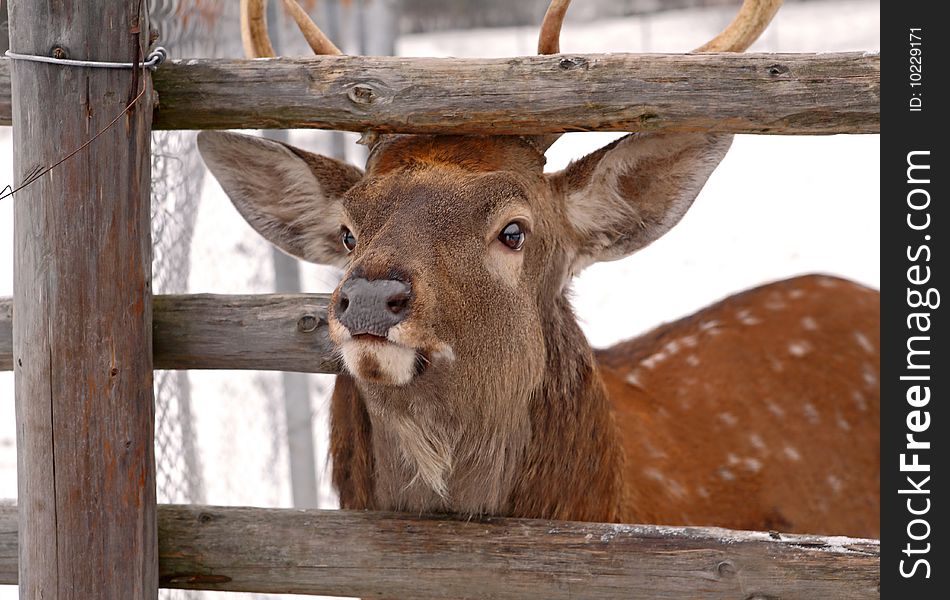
pixel 776 207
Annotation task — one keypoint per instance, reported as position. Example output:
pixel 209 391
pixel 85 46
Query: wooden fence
pixel 373 555
pixel 83 331
pixel 737 93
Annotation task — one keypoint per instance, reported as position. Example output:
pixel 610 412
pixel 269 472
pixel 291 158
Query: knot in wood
pixel 307 323
pixel 571 62
pixel 726 570
pixel 59 52
pixel 204 517
pixel 361 94
pixel 776 70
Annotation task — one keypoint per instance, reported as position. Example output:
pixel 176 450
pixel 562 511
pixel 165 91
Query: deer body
pixel 469 386
pixel 711 420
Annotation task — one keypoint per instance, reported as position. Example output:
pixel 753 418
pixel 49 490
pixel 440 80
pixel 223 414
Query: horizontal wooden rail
pixel 281 332
pixel 6 334
pixel 347 553
pixel 737 93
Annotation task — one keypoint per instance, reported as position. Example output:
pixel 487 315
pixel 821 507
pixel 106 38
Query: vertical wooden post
pixel 82 297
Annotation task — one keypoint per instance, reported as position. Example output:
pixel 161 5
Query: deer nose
pixel 372 307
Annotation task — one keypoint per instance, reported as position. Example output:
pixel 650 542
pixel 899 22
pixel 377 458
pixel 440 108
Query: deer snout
pixel 372 307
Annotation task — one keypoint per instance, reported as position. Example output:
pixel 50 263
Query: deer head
pixel 457 254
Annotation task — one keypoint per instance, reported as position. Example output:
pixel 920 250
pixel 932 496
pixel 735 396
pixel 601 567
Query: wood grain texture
pixel 82 277
pixel 8 543
pixel 738 93
pixel 6 334
pixel 283 332
pixel 280 332
pixel 349 553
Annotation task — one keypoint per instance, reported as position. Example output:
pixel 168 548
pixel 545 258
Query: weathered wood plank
pixel 8 542
pixel 82 277
pixel 281 332
pixel 348 553
pixel 738 93
pixel 6 334
pixel 284 332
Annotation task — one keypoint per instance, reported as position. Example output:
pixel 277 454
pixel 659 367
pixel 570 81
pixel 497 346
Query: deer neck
pixel 525 456
pixel 432 458
pixel 575 445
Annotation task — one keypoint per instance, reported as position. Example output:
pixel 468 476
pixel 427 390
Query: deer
pixel 467 385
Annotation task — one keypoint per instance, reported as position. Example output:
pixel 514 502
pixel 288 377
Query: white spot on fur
pixel 708 325
pixel 809 323
pixel 796 293
pixel 703 492
pixel 869 375
pixel 673 487
pixel 652 361
pixel 843 423
pixel 728 418
pixel 799 348
pixel 827 282
pixel 864 342
pixel 692 360
pixel 775 305
pixel 445 354
pixel 757 442
pixel 725 474
pixel 752 464
pixel 634 378
pixel 653 451
pixel 775 409
pixel 859 400
pixel 689 341
pixel 676 489
pixel 835 484
pixel 732 459
pixel 792 453
pixel 746 318
pixel 668 350
pixel 811 413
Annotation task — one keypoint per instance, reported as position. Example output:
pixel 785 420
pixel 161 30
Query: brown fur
pixel 760 412
pixel 511 413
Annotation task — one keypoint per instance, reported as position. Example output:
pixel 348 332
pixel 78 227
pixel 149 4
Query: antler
pixel 257 41
pixel 254 29
pixel 753 17
pixel 549 38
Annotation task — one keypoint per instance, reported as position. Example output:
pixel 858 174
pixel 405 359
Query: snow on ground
pixel 777 206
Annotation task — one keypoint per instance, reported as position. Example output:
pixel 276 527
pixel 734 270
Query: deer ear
pixel 624 196
pixel 290 196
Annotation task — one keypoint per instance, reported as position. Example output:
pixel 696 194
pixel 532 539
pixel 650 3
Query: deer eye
pixel 512 236
pixel 348 239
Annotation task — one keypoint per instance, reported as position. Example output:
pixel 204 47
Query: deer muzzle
pixel 368 307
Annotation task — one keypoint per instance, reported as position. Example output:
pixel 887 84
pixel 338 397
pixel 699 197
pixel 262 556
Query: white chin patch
pixel 378 362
